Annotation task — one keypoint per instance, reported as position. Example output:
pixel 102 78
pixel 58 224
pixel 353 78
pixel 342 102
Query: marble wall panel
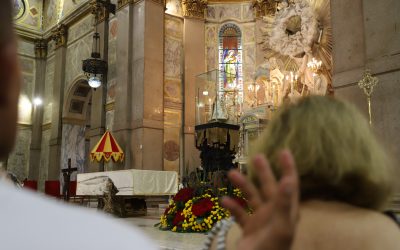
pixel 211 41
pixel 50 48
pixel 381 24
pixel 80 29
pixel 173 58
pixel 111 90
pixel 32 17
pixel 26 48
pixel 172 90
pixel 48 91
pixel 247 12
pixel 249 61
pixel 212 12
pixel 44 158
pixel 174 7
pixel 211 33
pixel 112 60
pixel 231 11
pixel 172 130
pixel 241 12
pixel 110 120
pixel 76 53
pixel 248 32
pixel 173 65
pixel 28 84
pixel 173 27
pixel 212 57
pixel 27 64
pixel 18 160
pixel 110 126
pixel 73 147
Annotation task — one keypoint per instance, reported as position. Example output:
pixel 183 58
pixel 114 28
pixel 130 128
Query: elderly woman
pixel 345 182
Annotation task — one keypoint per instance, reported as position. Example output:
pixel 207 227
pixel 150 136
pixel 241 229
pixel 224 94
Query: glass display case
pixel 252 123
pixel 216 102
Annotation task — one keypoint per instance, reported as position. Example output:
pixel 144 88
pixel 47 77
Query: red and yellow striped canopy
pixel 107 148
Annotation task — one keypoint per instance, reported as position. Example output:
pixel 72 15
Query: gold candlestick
pixel 367 84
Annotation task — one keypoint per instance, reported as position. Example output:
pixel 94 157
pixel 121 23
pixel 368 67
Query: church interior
pixel 155 95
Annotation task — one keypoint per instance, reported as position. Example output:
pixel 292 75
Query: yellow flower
pixel 174 229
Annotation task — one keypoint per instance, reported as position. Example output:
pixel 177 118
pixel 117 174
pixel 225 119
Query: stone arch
pixel 77 101
pixel 75 125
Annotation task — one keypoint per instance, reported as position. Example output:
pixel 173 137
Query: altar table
pixel 132 182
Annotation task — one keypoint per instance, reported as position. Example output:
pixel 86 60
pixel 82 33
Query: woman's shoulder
pixel 338 224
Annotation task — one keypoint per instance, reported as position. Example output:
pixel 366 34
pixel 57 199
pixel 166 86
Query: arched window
pixel 230 59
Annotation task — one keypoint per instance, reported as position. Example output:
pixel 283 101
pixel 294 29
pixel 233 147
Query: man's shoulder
pixel 44 222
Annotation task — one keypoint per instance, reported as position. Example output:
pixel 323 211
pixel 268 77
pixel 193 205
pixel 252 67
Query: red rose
pixel 179 218
pixel 202 206
pixel 184 195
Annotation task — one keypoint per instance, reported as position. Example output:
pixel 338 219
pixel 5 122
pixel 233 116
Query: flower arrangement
pixel 197 210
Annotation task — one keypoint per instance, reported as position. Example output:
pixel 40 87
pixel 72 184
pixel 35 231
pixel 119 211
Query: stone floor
pixel 165 239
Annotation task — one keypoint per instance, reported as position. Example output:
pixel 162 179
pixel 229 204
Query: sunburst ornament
pixel 314 40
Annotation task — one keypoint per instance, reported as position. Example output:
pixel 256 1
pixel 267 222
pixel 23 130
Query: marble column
pixel 138 124
pixel 98 113
pixel 59 35
pixel 194 58
pixel 37 115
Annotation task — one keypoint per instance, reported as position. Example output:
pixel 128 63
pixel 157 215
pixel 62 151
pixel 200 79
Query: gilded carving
pixel 98 11
pixel 194 8
pixel 59 35
pixel 264 7
pixel 41 49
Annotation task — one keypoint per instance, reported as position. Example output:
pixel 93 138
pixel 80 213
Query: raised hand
pixel 273 223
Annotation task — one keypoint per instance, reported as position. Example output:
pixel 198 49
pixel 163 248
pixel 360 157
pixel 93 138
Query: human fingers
pixel 287 164
pixel 288 189
pixel 250 192
pixel 265 176
pixel 236 210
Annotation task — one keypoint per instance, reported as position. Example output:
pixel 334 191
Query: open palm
pixel 272 224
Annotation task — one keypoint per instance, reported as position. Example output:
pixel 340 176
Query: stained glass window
pixel 230 61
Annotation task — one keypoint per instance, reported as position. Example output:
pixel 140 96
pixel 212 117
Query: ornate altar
pixel 252 123
pixel 297 46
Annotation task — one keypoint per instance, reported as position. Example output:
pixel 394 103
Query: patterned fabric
pixel 219 233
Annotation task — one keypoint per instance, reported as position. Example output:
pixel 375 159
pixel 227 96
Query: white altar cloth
pixel 129 182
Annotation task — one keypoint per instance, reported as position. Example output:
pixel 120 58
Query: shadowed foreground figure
pixel 28 221
pixel 345 181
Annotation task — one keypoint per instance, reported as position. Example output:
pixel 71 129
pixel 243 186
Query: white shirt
pixel 31 221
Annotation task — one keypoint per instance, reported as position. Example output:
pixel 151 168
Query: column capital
pixel 264 7
pixel 98 11
pixel 194 8
pixel 41 48
pixel 59 35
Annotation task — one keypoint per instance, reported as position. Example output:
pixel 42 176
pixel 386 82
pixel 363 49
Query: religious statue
pixel 230 61
pixel 219 110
